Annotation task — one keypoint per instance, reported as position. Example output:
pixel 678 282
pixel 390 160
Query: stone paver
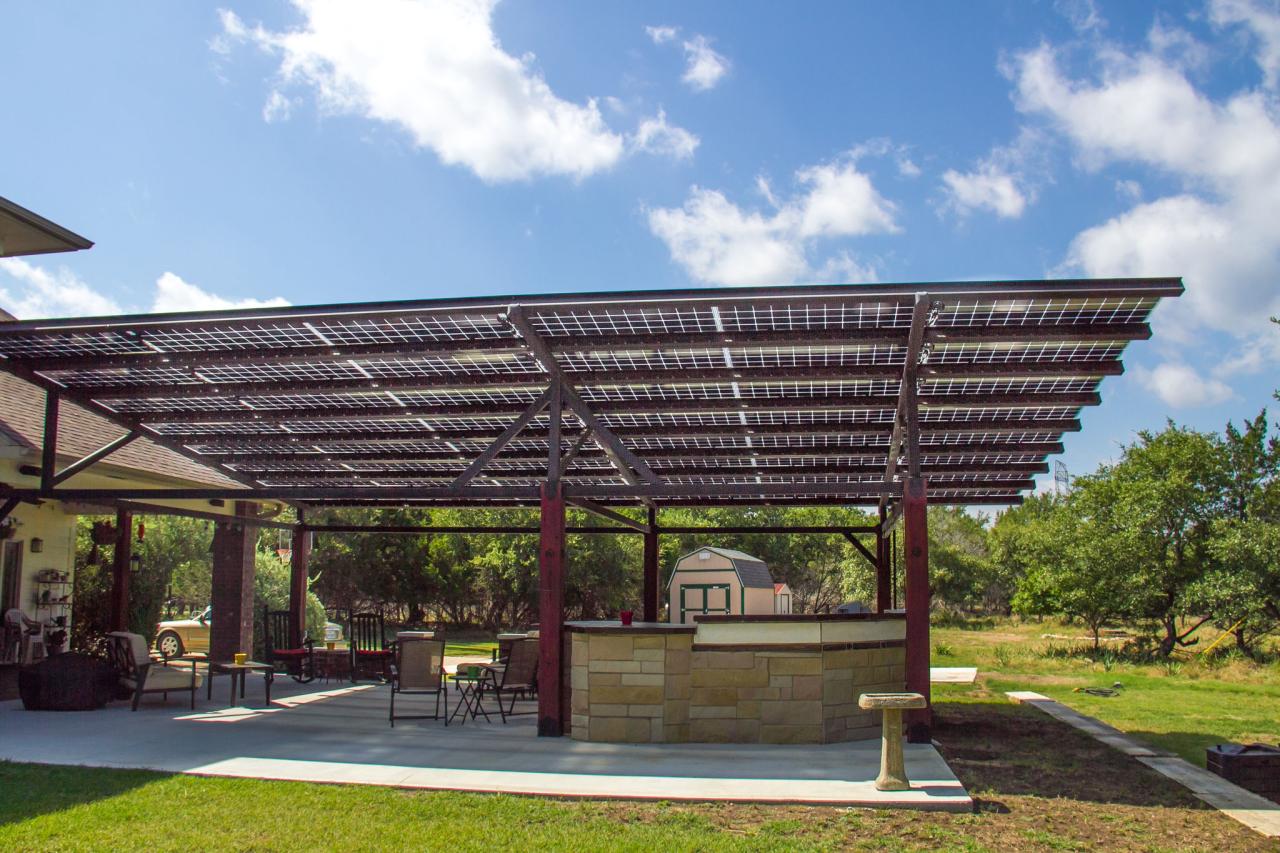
pixel 953 674
pixel 1258 813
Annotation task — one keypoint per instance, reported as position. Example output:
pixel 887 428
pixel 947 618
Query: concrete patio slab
pixel 342 735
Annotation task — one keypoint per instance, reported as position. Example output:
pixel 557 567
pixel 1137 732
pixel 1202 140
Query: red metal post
pixel 551 612
pixel 299 556
pixel 120 567
pixel 916 547
pixel 883 582
pixel 651 602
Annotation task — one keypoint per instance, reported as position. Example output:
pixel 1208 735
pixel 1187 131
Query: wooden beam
pixel 551 565
pixel 96 456
pixel 650 588
pixel 905 414
pixel 916 548
pixel 861 549
pixel 501 441
pixel 608 514
pixel 49 447
pixel 626 461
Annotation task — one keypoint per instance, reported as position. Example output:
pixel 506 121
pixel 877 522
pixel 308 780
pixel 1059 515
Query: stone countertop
pixel 708 619
pixel 616 627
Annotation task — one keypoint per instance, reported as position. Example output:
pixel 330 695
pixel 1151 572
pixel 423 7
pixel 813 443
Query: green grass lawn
pixel 1040 786
pixel 1184 708
pixel 470 648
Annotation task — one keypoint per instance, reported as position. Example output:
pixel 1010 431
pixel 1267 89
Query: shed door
pixel 703 598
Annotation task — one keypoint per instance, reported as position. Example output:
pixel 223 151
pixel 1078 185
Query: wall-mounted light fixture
pixel 37 545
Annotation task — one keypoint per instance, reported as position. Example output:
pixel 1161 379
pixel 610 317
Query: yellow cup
pixel 331 645
pixel 241 657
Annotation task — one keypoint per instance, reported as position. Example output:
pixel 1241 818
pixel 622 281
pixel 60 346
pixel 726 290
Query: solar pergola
pixel 853 395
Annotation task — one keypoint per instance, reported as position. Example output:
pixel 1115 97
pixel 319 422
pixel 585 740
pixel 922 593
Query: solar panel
pixel 748 394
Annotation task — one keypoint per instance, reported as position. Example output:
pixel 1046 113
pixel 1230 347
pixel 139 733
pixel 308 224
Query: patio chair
pixel 418 669
pixel 517 679
pixel 129 654
pixel 278 646
pixel 24 638
pixel 369 648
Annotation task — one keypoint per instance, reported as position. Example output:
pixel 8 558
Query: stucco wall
pixel 57 530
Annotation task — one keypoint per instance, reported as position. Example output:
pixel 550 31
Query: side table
pixel 237 671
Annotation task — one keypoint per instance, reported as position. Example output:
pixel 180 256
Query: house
pixel 90 451
pixel 723 581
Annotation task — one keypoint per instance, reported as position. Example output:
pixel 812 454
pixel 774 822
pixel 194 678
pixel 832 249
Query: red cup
pixel 625 615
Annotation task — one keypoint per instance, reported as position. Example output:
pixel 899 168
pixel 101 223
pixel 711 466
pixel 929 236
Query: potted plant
pixel 7 527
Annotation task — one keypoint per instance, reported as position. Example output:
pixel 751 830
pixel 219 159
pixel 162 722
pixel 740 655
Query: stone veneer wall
pixel 631 688
pixel 659 688
pixel 779 695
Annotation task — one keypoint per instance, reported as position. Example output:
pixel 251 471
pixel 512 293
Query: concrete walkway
pixel 341 734
pixel 1258 813
pixel 953 674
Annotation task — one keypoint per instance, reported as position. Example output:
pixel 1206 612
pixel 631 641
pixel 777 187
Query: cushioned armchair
pixel 139 675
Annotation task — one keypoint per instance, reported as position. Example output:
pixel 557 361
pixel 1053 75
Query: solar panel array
pixel 756 396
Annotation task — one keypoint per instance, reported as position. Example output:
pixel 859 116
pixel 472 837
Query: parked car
pixel 176 637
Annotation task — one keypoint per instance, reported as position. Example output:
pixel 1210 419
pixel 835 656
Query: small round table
pixel 471 693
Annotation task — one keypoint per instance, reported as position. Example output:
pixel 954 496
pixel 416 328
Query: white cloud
pixel 28 291
pixel 988 187
pixel 277 107
pixel 656 136
pixel 907 168
pixel 1218 229
pixel 1263 22
pixel 435 69
pixel 1181 386
pixel 174 294
pixel 1083 15
pixel 705 67
pixel 661 34
pixel 716 241
pixel 33 291
pixel 1004 182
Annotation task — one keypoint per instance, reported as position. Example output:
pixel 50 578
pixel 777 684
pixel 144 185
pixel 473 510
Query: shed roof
pixel 751 571
pixel 692 397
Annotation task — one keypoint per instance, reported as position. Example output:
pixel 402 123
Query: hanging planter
pixel 7 527
pixel 104 533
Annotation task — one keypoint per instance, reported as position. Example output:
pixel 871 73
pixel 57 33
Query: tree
pixel 1164 495
pixel 1242 590
pixel 1076 557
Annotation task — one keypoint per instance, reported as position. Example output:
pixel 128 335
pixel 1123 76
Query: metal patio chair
pixel 417 669
pixel 518 678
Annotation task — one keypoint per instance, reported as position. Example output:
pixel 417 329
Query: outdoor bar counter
pixel 733 679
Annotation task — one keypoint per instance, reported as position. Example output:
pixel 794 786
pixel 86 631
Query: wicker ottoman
pixel 67 682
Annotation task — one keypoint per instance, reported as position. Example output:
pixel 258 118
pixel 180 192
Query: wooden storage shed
pixel 724 581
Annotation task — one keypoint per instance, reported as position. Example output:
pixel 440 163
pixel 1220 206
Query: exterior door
pixel 703 598
pixel 11 582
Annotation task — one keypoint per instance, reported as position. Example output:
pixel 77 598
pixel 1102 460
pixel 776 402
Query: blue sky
pixel 324 151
